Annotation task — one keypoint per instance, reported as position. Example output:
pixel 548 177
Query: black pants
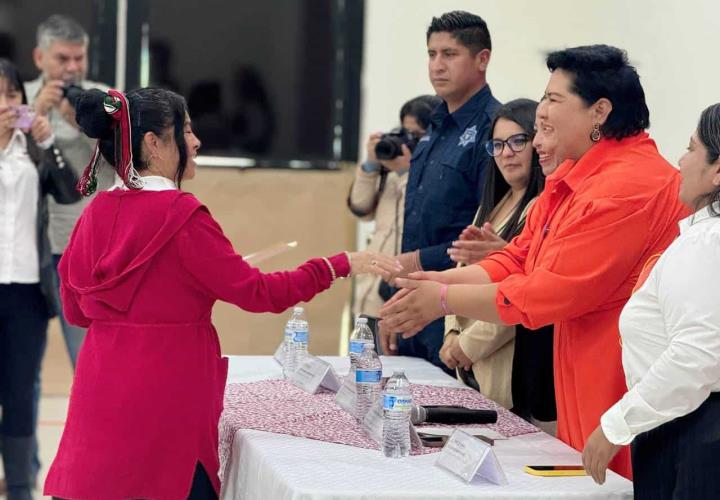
pixel 680 459
pixel 533 382
pixel 23 332
pixel 202 488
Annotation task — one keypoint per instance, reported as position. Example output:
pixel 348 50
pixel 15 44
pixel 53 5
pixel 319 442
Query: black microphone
pixel 451 415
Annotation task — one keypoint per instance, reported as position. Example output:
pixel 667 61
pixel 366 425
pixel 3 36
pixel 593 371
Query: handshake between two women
pixel 425 296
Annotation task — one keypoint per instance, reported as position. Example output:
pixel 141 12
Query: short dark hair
pixel 522 112
pixel 468 29
pixel 151 110
pixel 421 109
pixel 708 132
pixel 603 71
pixel 10 72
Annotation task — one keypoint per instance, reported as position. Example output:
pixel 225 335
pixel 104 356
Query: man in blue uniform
pixel 446 173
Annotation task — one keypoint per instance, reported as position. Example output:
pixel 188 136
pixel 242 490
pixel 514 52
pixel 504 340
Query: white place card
pixel 279 355
pixel 313 373
pixel 345 398
pixel 373 426
pixel 467 456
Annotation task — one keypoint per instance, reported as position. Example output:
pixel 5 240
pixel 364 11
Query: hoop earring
pixel 595 135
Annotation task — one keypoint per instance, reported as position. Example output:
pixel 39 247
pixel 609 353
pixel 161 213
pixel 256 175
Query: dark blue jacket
pixel 443 194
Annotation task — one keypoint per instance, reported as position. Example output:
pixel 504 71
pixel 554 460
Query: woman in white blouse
pixel 670 331
pixel 30 168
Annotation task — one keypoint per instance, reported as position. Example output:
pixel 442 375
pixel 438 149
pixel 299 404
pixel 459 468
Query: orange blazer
pixel 575 264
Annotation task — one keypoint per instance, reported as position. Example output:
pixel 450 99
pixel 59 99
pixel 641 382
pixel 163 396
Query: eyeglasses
pixel 516 143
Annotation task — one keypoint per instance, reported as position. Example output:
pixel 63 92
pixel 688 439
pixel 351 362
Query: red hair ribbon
pixel 117 106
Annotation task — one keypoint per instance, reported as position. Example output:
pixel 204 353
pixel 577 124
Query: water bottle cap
pixel 298 310
pixel 361 321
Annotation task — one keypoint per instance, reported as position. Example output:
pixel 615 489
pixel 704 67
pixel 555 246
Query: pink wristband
pixel 443 300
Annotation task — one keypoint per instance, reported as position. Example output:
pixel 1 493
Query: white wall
pixel 672 43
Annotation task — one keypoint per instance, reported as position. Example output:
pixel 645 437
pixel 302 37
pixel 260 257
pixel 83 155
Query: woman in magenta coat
pixel 144 266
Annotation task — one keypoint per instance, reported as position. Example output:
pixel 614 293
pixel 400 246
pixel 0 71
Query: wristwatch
pixel 370 167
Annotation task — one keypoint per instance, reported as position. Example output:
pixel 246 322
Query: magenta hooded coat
pixel 142 271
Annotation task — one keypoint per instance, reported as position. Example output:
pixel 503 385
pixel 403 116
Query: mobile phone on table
pixel 25 117
pixel 432 440
pixel 555 470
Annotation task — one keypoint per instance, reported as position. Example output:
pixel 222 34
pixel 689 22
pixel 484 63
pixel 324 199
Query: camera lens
pixel 72 93
pixel 389 147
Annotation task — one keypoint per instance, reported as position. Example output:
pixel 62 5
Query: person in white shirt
pixel 31 167
pixel 61 56
pixel 670 334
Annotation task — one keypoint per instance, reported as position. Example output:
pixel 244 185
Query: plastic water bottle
pixel 368 375
pixel 296 341
pixel 301 336
pixel 360 336
pixel 397 403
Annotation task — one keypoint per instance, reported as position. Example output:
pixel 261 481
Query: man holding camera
pixel 444 184
pixel 61 57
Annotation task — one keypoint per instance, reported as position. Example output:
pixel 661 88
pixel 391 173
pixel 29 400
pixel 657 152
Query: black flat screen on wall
pixel 266 79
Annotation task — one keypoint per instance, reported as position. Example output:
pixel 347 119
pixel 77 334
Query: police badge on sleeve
pixel 469 136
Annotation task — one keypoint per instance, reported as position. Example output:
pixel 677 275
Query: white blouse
pixel 19 191
pixel 670 331
pixel 150 183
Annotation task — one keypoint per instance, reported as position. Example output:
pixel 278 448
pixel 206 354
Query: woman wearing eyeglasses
pixel 509 365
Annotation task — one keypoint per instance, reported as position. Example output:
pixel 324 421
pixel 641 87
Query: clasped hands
pixel 418 302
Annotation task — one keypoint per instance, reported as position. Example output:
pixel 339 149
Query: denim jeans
pixel 73 335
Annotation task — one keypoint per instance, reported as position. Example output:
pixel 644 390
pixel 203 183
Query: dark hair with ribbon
pixel 119 122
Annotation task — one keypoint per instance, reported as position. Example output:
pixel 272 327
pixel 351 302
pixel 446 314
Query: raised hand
pixel 475 243
pixel 50 96
pixel 370 145
pixel 8 116
pixel 400 162
pixel 40 129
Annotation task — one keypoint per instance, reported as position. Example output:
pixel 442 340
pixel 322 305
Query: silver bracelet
pixel 331 268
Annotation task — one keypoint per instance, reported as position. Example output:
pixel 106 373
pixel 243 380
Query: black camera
pixel 390 145
pixel 72 91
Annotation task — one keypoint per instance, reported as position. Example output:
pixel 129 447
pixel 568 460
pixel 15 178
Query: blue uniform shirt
pixel 443 194
pixel 445 183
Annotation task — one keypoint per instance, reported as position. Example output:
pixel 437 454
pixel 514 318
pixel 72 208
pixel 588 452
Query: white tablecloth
pixel 266 466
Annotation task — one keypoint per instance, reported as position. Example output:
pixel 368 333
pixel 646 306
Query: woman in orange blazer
pixel 612 204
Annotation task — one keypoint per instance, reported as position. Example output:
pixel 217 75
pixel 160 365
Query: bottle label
pixel 288 333
pixel 300 336
pixel 368 376
pixel 397 403
pixel 356 346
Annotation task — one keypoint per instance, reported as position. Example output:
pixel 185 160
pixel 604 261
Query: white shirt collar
pixel 699 216
pixel 151 183
pixel 18 140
